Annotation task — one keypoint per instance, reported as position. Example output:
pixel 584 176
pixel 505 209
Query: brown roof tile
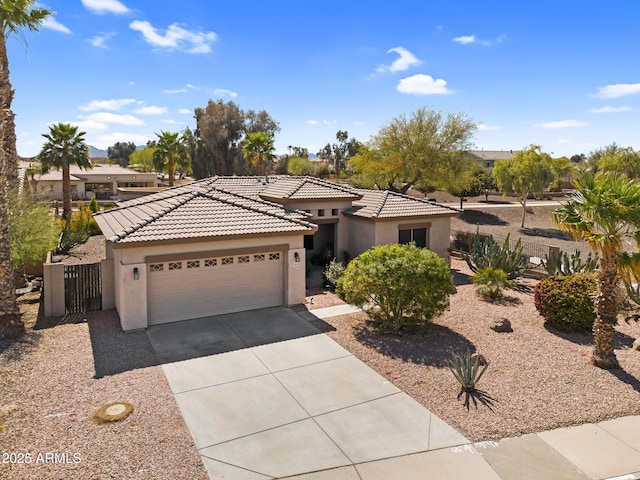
pixel 386 204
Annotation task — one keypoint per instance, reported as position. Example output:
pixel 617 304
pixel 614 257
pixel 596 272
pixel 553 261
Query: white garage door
pixel 199 287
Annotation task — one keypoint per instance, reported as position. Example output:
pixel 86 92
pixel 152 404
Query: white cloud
pixel 100 41
pixel 465 39
pixel 562 124
pixel 608 109
pixel 358 123
pixel 105 6
pixel 223 92
pixel 312 122
pixel 52 24
pixel 422 84
pixel 113 104
pixel 175 90
pixel 618 90
pixel 486 128
pixel 91 125
pixel 171 122
pixel 175 37
pixel 151 110
pixel 108 117
pixel 104 141
pixel 406 60
pixel 185 111
pixel 329 122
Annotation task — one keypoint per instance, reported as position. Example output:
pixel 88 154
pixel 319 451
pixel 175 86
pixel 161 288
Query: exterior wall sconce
pixel 296 257
pixel 136 273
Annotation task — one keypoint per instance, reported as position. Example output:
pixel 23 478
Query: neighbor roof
pixel 78 173
pixel 198 210
pixel 376 204
pixel 492 154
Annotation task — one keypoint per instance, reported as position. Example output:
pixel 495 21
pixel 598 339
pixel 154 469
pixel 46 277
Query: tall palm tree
pixel 604 211
pixel 64 147
pixel 171 152
pixel 258 147
pixel 15 16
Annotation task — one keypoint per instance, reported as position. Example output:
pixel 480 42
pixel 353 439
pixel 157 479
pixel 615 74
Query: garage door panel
pixel 212 287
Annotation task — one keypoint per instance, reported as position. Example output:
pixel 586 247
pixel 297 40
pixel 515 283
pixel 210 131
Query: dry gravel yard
pixel 50 392
pixel 537 379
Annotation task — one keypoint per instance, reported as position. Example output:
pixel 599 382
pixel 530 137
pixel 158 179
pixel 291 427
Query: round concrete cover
pixel 115 409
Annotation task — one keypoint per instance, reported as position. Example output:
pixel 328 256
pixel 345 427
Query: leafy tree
pixel 528 172
pixel 34 232
pixel 578 158
pixel 120 152
pixel 300 166
pixel 604 212
pixel 15 16
pixel 413 148
pixel 64 147
pixel 338 154
pixel 171 152
pixel 399 285
pixel 142 160
pixel 625 161
pixel 594 157
pixel 257 149
pixel 298 151
pixel 458 177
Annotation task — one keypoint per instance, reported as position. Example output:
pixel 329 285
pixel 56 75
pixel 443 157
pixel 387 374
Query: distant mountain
pixel 96 152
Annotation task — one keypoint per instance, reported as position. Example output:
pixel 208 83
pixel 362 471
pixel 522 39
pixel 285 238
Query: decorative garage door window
pixel 213 262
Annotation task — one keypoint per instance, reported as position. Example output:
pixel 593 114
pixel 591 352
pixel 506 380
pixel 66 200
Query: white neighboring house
pixel 103 181
pixel 227 244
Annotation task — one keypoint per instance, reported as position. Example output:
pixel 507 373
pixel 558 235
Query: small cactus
pixel 467 370
pixel 559 263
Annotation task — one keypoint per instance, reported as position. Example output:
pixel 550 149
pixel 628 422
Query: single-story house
pixel 101 181
pixel 488 158
pixel 227 244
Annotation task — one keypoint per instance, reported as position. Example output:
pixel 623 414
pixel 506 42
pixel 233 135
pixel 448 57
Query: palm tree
pixel 258 147
pixel 604 211
pixel 64 147
pixel 14 16
pixel 171 153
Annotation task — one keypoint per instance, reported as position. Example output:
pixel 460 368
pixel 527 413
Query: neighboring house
pixel 227 244
pixel 488 158
pixel 103 181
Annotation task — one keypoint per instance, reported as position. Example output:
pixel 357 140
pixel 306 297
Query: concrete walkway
pixel 265 395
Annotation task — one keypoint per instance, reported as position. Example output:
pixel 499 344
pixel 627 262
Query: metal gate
pixel 82 288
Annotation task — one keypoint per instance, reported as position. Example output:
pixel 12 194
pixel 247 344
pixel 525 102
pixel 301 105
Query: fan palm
pixel 64 147
pixel 171 152
pixel 258 147
pixel 604 211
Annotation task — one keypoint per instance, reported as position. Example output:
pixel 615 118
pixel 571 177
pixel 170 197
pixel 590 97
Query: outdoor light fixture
pixel 136 273
pixel 296 257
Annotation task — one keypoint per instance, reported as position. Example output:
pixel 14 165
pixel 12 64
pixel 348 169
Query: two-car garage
pixel 213 283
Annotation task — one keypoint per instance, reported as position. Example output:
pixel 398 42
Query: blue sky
pixel 561 74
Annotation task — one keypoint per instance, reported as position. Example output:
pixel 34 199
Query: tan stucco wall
pixel 131 295
pixel 362 235
pixel 439 241
pixel 53 286
pixel 342 228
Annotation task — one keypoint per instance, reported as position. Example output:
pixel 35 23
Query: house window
pixel 211 262
pixel 417 235
pixel 274 256
pixel 321 213
pixel 334 212
pixel 156 267
pixel 175 266
pixel 193 264
pixel 243 259
pixel 227 260
pixel 259 257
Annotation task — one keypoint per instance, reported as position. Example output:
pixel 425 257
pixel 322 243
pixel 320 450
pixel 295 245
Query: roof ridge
pixel 383 201
pixel 422 200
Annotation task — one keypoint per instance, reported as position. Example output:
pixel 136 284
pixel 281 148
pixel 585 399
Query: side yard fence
pixel 533 252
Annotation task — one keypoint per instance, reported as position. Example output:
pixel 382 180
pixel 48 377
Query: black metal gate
pixel 82 288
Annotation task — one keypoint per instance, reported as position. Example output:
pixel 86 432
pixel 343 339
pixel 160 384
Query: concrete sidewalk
pixel 274 398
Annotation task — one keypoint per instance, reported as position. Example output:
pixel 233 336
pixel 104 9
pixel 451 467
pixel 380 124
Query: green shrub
pixel 490 282
pixel 561 264
pixel 567 303
pixel 93 205
pixel 399 286
pixel 332 274
pixel 486 252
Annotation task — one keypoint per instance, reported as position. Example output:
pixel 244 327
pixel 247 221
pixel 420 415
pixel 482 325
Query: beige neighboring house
pixel 488 158
pixel 103 181
pixel 227 244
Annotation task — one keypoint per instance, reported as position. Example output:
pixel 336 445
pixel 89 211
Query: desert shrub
pixel 567 303
pixel 561 264
pixel 486 252
pixel 490 282
pixel 399 286
pixel 332 274
pixel 76 230
pixel 93 205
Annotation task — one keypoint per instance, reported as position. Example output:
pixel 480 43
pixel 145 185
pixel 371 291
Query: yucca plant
pixel 467 370
pixel 486 252
pixel 559 263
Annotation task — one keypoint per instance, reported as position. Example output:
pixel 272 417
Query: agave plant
pixel 467 370
pixel 486 252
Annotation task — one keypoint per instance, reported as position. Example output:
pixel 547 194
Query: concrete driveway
pixel 267 395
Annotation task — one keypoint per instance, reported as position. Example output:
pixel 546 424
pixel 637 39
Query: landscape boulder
pixel 636 344
pixel 501 324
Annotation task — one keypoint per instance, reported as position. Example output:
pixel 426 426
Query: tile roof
pixel 307 188
pixel 78 173
pixel 492 154
pixel 198 210
pixel 385 204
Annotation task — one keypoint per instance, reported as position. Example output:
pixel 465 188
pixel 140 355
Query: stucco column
pixel 296 276
pixel 131 300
